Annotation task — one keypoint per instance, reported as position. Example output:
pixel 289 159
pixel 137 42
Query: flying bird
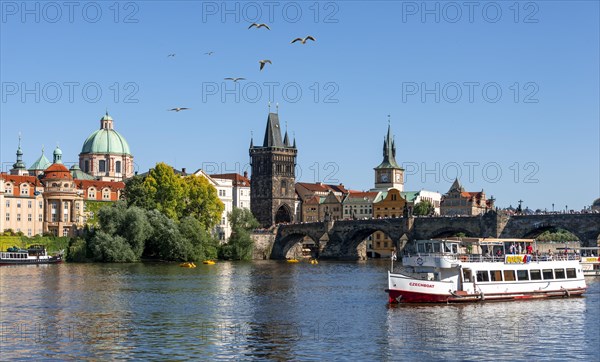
pixel 263 62
pixel 309 37
pixel 178 109
pixel 235 79
pixel 259 26
pixel 171 55
pixel 209 53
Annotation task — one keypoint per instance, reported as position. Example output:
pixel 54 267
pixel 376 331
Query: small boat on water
pixel 457 270
pixel 34 254
pixel 293 260
pixel 209 262
pixel 187 264
pixel 590 260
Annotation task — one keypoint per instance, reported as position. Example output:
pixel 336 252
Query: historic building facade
pixel 273 196
pixel 388 204
pixel 105 153
pixel 458 202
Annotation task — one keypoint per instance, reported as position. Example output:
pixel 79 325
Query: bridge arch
pixel 540 229
pixel 446 232
pixel 357 240
pixel 286 246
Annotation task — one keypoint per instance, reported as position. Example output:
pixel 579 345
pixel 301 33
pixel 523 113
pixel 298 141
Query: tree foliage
pixel 557 235
pixel 423 208
pixel 240 244
pixel 175 196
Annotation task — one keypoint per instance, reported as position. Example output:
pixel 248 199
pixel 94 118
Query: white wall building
pixel 225 193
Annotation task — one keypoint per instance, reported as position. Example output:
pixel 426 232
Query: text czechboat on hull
pixel 457 270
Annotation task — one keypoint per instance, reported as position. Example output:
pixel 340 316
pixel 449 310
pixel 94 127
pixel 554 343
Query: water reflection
pixel 270 310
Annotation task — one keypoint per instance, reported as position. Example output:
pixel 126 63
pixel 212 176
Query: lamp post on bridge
pixel 566 208
pixel 552 207
pixel 520 208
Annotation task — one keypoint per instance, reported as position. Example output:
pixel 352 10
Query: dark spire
pixel 251 139
pixel 389 151
pixel 294 146
pixel 19 165
pixel 273 132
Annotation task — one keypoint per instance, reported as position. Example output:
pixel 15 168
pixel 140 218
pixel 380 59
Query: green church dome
pixel 106 140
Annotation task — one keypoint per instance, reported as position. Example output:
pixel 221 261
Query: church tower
pixel 389 175
pixel 273 180
pixel 19 166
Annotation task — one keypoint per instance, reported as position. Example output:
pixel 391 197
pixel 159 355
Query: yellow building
pixel 389 204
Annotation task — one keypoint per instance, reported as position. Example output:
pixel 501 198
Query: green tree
pixel 423 208
pixel 166 242
pixel 166 190
pixel 135 193
pixel 204 245
pixel 108 248
pixel 202 201
pixel 240 244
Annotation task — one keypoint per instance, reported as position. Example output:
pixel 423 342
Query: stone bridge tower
pixel 273 180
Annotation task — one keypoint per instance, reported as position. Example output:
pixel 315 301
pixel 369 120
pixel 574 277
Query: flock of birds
pixel 261 63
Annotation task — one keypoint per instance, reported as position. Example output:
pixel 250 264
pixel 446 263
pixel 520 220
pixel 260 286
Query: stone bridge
pixel 344 239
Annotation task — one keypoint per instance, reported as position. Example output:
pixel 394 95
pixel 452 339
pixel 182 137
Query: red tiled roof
pixel 85 184
pixel 321 187
pixel 363 194
pixel 238 180
pixel 57 171
pixel 17 179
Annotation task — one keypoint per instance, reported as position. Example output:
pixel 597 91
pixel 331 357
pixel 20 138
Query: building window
pixel 41 205
pixel 29 204
pixel 222 221
pixel 24 190
pixel 18 217
pixel 28 217
pixel 66 216
pixel 54 218
pixel 9 189
pixel 86 166
pixel 91 193
pixel 66 205
pixel 118 167
pixel 28 232
pixel 7 203
pixel 19 204
pixel 8 216
pixel 40 217
pixel 106 194
pixel 65 231
pixel 102 166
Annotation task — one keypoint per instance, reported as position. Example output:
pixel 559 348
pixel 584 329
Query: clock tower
pixel 389 175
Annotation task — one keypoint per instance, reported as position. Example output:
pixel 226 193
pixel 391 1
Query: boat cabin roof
pixel 483 241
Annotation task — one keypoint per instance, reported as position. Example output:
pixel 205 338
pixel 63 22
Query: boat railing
pixel 508 258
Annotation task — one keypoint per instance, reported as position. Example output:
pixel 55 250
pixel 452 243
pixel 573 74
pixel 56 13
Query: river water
pixel 271 310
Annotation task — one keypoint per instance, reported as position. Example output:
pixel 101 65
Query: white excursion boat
pixel 35 254
pixel 590 260
pixel 457 270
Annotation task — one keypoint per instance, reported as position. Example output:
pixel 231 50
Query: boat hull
pixel 405 289
pixel 51 260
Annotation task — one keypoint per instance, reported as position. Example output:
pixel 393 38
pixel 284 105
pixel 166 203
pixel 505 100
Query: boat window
pixel 467 275
pixel 509 275
pixel 559 273
pixel 535 274
pixel 428 248
pixel 571 273
pixel 496 275
pixel 522 275
pixel 455 248
pixel 436 247
pixel 447 248
pixel 421 248
pixel 547 273
pixel 482 276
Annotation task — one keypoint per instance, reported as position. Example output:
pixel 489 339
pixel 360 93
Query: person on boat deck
pixel 499 253
pixel 550 254
pixel 520 248
pixel 513 248
pixel 529 249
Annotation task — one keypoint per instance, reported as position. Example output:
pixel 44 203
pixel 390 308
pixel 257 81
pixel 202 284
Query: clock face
pixel 398 178
pixel 384 177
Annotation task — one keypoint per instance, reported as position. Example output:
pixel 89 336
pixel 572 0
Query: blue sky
pixel 435 67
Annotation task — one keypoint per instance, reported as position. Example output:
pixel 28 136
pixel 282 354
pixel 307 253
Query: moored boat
pixel 35 254
pixel 455 271
pixel 590 260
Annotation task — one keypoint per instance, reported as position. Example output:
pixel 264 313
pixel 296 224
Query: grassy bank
pixel 52 243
